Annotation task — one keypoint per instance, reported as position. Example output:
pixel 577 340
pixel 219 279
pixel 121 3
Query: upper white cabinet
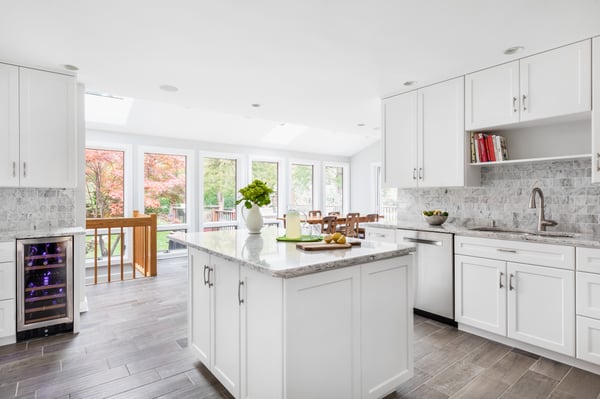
pixel 549 84
pixel 423 138
pixel 38 124
pixel 596 110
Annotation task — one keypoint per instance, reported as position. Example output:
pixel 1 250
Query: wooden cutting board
pixel 322 246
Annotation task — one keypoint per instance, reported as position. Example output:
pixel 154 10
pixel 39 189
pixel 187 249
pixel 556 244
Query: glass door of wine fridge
pixel 45 286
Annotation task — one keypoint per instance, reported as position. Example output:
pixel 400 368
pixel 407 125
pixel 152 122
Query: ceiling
pixel 318 68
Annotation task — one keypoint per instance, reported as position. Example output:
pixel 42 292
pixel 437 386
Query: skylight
pixel 105 108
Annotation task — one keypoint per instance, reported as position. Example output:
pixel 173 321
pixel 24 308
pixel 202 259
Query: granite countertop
pixel 578 239
pixel 59 231
pixel 263 253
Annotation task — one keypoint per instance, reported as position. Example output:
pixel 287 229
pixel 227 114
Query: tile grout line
pixel 560 381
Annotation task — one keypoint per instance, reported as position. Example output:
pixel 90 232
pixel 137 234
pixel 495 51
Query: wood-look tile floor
pixel 132 345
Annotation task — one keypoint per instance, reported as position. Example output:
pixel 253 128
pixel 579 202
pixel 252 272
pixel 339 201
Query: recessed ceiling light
pixel 409 82
pixel 255 105
pixel 360 124
pixel 70 67
pixel 168 88
pixel 514 50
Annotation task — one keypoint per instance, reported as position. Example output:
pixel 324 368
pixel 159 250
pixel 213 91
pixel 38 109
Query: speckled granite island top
pixel 578 239
pixel 263 253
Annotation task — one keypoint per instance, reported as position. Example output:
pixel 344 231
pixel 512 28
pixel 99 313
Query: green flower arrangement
pixel 257 193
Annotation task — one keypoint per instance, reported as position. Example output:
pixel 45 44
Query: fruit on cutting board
pixel 336 238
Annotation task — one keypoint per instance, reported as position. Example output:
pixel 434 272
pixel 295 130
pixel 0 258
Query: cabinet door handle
pixel 14 169
pixel 524 103
pixel 420 173
pixel 511 287
pixel 204 273
pixel 512 251
pixel 240 300
pixel 24 169
pixel 515 109
pixel 501 279
pixel 414 173
pixel 210 269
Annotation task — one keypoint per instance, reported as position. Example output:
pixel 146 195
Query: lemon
pixel 328 238
pixel 341 240
pixel 336 236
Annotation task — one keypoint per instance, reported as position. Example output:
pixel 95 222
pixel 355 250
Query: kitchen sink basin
pixel 499 230
pixel 557 234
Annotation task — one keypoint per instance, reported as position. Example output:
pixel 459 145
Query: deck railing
pixel 144 250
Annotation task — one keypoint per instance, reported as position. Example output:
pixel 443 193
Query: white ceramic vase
pixel 254 220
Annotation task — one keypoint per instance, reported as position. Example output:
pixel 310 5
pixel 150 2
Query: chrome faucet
pixel 542 223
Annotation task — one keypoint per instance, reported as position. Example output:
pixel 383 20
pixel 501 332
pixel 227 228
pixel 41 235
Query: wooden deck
pixel 132 345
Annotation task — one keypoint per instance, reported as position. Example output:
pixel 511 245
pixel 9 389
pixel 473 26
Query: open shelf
pixel 526 160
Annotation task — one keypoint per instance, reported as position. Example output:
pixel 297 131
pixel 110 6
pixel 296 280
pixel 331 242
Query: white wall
pixel 362 180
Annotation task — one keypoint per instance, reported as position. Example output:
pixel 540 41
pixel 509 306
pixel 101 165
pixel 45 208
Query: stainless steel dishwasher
pixel 434 273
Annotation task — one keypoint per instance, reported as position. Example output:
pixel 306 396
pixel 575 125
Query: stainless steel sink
pixel 499 230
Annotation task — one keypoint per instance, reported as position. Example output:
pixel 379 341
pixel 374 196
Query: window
pixel 387 199
pixel 334 189
pixel 269 173
pixel 165 187
pixel 220 190
pixel 302 187
pixel 104 182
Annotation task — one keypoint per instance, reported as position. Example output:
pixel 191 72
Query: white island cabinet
pixel 272 321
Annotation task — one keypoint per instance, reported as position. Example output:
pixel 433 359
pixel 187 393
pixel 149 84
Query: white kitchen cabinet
pixel 386 294
pixel 7 292
pixel 7 321
pixel 214 327
pixel 480 299
pixel 588 339
pixel 588 294
pixel 537 301
pixel 556 82
pixel 541 307
pixel 7 280
pixel 596 110
pixel 423 137
pixel 550 84
pixel 380 234
pixel 400 147
pixel 38 126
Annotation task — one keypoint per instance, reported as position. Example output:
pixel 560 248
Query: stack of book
pixel 488 148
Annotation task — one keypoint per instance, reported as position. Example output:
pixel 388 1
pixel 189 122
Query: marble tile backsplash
pixel 570 197
pixel 31 209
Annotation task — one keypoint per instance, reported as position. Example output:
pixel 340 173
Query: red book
pixel 490 147
pixel 481 145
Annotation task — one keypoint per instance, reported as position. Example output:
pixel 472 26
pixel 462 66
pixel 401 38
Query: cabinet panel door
pixel 596 110
pixel 9 125
pixel 261 336
pixel 588 339
pixel 7 318
pixel 400 140
pixel 322 357
pixel 481 293
pixel 226 324
pixel 588 294
pixel 48 143
pixel 557 82
pixel 8 280
pixel 441 134
pixel 541 307
pixel 492 96
pixel 201 303
pixel 387 320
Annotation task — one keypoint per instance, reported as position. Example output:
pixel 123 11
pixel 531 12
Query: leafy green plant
pixel 257 193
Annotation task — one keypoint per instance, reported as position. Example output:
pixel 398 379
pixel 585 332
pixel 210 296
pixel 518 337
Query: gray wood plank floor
pixel 133 344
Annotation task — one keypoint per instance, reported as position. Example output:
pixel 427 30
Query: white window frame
pixel 316 180
pixel 345 184
pixel 241 176
pixel 189 184
pixel 282 192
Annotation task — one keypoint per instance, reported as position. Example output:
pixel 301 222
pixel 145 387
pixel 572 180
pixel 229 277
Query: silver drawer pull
pixel 515 109
pixel 511 287
pixel 501 279
pixel 512 251
pixel 422 241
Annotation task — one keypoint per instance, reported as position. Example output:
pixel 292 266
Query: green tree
pixel 220 182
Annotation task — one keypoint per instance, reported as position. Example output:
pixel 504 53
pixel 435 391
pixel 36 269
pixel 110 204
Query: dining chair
pixel 328 224
pixel 352 225
pixel 314 214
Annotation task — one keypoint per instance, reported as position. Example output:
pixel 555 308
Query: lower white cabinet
pixel 7 321
pixel 341 333
pixel 380 234
pixel 588 304
pixel 530 303
pixel 7 293
pixel 588 339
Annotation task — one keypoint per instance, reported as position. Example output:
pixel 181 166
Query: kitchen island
pixel 272 321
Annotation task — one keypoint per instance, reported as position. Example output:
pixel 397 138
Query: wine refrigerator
pixel 44 286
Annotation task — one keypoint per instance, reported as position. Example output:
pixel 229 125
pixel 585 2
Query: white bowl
pixel 435 220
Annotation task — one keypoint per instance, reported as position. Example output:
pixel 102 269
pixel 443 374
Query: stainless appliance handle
pixel 512 251
pixel 422 241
